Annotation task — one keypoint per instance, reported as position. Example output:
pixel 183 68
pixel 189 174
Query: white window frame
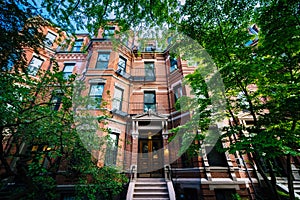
pixel 101 61
pixel 68 71
pixel 49 40
pixel 33 68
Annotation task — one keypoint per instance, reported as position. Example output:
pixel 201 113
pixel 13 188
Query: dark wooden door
pixel 150 160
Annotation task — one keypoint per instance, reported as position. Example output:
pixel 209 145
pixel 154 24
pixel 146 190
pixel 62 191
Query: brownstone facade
pixel 143 88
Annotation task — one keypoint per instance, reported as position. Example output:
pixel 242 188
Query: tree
pixel 37 122
pixel 220 27
pixel 278 80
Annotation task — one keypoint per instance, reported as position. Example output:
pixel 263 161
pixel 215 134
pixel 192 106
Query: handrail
pixel 168 173
pixel 133 172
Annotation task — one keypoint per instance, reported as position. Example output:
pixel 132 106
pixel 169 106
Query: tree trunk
pixel 267 181
pixel 8 171
pixel 273 177
pixel 290 178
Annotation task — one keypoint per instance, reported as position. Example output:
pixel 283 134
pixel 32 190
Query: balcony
pixel 140 107
pixel 119 107
pixel 143 74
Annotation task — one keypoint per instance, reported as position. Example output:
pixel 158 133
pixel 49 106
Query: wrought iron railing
pixel 143 74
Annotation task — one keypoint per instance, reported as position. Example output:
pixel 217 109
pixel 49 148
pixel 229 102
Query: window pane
pixel 122 63
pixel 149 70
pixel 177 92
pixel 69 67
pixel 109 32
pixel 96 90
pixel 117 101
pixel 103 57
pixel 34 65
pixel 77 46
pixel 68 70
pixel 111 149
pixel 56 101
pixel 102 61
pixel 149 101
pixel 50 37
pixel 173 64
pixel 149 97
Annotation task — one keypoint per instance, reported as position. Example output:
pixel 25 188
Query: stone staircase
pixel 149 188
pixel 282 182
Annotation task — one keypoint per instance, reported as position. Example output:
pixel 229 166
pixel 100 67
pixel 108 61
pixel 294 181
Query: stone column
pixel 165 136
pixel 135 140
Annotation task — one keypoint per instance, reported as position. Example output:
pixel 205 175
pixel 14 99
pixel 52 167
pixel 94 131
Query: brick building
pixel 144 85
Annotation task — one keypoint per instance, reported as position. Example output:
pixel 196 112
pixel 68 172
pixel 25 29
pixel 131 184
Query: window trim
pixel 95 96
pixel 175 90
pixel 109 32
pixel 71 72
pixel 56 95
pixel 101 61
pixel 147 105
pixel 147 70
pixel 47 40
pixel 112 152
pixel 172 59
pixel 120 68
pixel 118 100
pixel 76 46
pixel 38 68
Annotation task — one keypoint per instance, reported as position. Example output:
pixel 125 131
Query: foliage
pixel 19 27
pixel 261 81
pixel 39 141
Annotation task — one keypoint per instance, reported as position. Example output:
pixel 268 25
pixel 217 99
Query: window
pixel 149 71
pixel 122 64
pixel 96 95
pixel 216 158
pixel 34 65
pixel 56 101
pixel 111 149
pixel 150 47
pixel 117 101
pixel 102 61
pixel 225 194
pixel 108 32
pixel 68 70
pixel 149 101
pixel 49 40
pixel 173 64
pixel 77 45
pixel 177 92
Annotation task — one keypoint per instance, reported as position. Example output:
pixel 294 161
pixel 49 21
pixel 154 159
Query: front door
pixel 150 160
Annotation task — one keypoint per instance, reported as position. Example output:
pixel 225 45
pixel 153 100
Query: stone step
pixel 151 179
pixel 150 189
pixel 150 195
pixel 154 189
pixel 150 185
pixel 151 198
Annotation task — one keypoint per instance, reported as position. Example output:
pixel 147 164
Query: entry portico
pixel 149 146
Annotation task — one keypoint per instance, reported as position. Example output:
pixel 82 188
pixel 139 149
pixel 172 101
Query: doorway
pixel 150 157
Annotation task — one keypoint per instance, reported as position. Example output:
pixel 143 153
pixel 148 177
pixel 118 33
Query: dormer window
pixel 109 32
pixel 150 47
pixel 77 45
